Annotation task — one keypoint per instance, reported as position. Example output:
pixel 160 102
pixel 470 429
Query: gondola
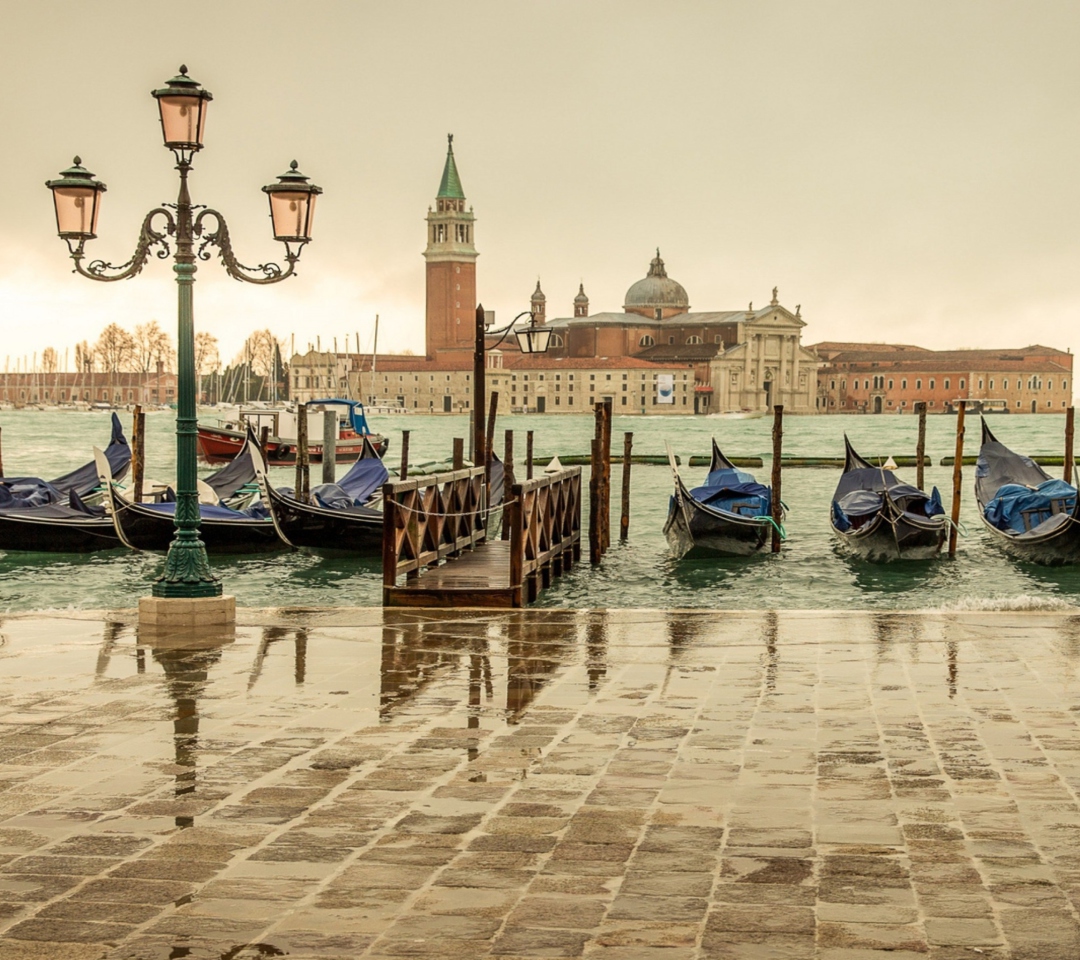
pixel 1030 514
pixel 728 516
pixel 52 516
pixel 337 519
pixel 878 517
pixel 151 526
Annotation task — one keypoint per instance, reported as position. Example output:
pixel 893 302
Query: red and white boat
pixel 219 444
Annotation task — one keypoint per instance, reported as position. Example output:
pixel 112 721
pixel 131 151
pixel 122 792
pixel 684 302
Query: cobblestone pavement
pixel 660 785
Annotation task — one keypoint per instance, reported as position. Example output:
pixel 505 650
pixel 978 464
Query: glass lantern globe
pixel 182 104
pixel 77 199
pixel 292 205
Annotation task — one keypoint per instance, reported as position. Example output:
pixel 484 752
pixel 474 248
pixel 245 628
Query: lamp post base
pixel 162 613
pixel 187 574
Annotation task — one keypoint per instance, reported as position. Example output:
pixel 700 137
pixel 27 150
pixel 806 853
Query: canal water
pixel 810 573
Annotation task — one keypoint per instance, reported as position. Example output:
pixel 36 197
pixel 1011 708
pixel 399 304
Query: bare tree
pixel 115 349
pixel 84 357
pixel 151 345
pixel 50 360
pixel 207 359
pixel 259 352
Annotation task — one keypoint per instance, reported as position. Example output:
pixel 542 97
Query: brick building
pixel 891 378
pixel 116 389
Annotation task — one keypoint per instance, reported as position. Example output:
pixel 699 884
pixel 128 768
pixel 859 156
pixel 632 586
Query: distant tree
pixel 151 345
pixel 207 358
pixel 50 360
pixel 84 357
pixel 115 349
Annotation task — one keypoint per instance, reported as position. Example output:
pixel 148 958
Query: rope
pixel 433 513
pixel 778 527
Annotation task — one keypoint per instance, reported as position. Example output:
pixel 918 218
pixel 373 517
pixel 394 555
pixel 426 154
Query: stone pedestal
pixel 161 614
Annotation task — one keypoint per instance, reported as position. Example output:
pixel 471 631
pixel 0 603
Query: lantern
pixel 292 205
pixel 77 198
pixel 182 104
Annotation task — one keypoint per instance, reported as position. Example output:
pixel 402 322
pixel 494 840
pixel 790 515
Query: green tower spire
pixel 450 186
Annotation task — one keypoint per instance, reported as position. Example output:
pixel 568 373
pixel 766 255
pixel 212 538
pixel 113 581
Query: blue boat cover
pixel 1020 508
pixel 364 478
pixel 860 494
pixel 206 512
pixel 734 491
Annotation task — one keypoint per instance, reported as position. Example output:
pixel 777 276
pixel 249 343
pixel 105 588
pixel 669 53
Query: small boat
pixel 52 516
pixel 1030 514
pixel 222 443
pixel 151 526
pixel 728 516
pixel 879 518
pixel 338 518
pixel 737 415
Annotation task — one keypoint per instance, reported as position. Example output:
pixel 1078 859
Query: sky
pixel 905 172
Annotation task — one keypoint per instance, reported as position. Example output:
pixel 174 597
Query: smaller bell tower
pixel 451 265
pixel 538 304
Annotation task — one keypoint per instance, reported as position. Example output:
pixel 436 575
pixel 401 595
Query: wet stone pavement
pixel 656 785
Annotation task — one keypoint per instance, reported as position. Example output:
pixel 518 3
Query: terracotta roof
pixel 546 362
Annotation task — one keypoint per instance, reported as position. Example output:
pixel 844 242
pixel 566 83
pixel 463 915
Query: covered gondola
pixel 52 516
pixel 151 526
pixel 1030 514
pixel 878 517
pixel 339 517
pixel 728 516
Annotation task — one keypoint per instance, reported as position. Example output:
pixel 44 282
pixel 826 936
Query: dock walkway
pixel 435 533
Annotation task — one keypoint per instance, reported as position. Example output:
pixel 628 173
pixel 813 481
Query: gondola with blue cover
pixel 53 516
pixel 151 526
pixel 728 516
pixel 878 517
pixel 1030 514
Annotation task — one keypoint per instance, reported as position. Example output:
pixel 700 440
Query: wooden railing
pixel 427 520
pixel 545 531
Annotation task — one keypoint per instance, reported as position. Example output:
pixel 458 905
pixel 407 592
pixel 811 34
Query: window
pixel 980 383
pixel 890 387
pixel 918 384
pixel 670 339
pixel 624 376
pixel 931 384
pixel 832 383
pixel 1004 385
pixel 903 384
pixel 646 341
pixel 592 376
pixel 556 340
pixel 931 403
pixel 961 383
pixel 946 383
pixel 991 384
pixel 609 376
pixel 624 399
pixel 718 339
pixel 694 339
pixel 866 384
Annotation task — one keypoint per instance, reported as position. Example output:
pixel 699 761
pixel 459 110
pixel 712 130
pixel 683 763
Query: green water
pixel 809 573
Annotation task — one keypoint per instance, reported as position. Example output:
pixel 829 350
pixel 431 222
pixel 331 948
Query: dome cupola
pixel 657 296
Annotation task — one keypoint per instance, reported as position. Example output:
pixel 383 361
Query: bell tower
pixel 451 265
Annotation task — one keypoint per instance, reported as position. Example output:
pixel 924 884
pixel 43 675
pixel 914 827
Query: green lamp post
pixel 182 104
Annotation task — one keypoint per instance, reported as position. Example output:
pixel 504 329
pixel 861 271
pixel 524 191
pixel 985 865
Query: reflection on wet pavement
pixel 624 784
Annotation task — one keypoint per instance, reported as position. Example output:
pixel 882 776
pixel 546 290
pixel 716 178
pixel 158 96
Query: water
pixel 809 573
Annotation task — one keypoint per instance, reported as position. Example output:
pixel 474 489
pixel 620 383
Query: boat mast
pixel 374 354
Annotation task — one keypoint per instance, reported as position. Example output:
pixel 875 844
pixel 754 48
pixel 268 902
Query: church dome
pixel 657 289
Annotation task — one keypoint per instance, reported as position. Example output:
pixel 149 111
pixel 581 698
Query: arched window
pixel 556 340
pixel 646 341
pixel 694 339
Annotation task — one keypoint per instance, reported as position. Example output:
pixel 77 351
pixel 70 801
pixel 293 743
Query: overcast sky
pixel 904 171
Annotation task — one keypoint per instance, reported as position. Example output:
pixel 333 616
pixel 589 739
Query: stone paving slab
pixel 618 784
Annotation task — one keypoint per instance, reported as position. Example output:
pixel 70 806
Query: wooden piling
pixel 606 475
pixel 1 452
pixel 329 445
pixel 624 519
pixel 1069 444
pixel 920 447
pixel 777 454
pixel 508 479
pixel 594 505
pixel 303 478
pixel 459 453
pixel 138 452
pixel 957 477
pixel 264 441
pixel 528 455
pixel 404 472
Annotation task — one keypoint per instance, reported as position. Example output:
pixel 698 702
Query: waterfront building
pixel 891 378
pixel 114 388
pixel 653 357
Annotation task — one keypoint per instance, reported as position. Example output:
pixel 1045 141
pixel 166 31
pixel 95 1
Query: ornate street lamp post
pixel 77 197
pixel 531 339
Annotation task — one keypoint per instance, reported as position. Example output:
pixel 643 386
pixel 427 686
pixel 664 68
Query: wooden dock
pixel 435 534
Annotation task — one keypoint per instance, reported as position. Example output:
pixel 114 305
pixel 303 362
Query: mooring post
pixel 606 514
pixel 920 447
pixel 594 504
pixel 264 441
pixel 459 453
pixel 598 470
pixel 1 452
pixel 302 477
pixel 1069 444
pixel 528 454
pixel 329 445
pixel 624 520
pixel 957 477
pixel 403 473
pixel 138 452
pixel 508 478
pixel 777 454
